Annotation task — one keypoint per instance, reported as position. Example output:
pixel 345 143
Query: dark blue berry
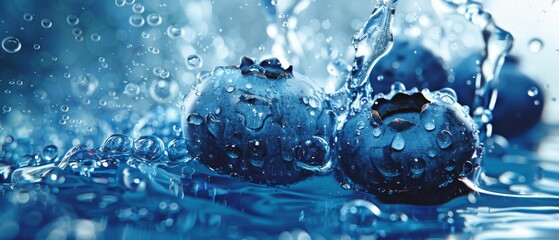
pixel 259 123
pixel 408 146
pixel 411 64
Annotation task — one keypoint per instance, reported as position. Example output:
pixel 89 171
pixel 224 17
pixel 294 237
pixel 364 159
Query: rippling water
pixel 73 74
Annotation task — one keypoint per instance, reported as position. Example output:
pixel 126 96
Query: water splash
pixel 498 43
pixel 372 42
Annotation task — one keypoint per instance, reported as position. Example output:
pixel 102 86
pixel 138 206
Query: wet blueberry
pixel 520 100
pixel 411 64
pixel 259 123
pixel 408 147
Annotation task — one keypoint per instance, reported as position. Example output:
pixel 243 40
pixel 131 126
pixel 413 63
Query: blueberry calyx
pixel 269 68
pixel 400 111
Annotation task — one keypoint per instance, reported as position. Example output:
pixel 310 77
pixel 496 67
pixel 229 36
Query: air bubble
pixel 46 23
pixel 117 143
pixel 95 37
pixel 6 109
pixel 177 150
pixel 154 19
pixel 535 45
pixel 36 46
pixel 120 3
pixel 73 20
pixel 444 139
pixel 131 89
pixel 194 61
pixel 398 143
pixel 360 216
pixel 138 8
pixel 163 90
pixel 136 21
pixel 313 154
pixel 64 108
pixel 11 44
pixel 148 148
pixel 27 17
pixel 174 31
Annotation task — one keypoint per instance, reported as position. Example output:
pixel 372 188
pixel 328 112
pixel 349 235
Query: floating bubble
pixel 138 8
pixel 148 148
pixel 11 44
pixel 154 19
pixel 131 89
pixel 36 46
pixel 136 21
pixel 120 3
pixel 72 20
pixel 84 85
pixel 95 37
pixel 27 17
pixel 174 31
pixel 535 45
pixel 359 216
pixel 117 143
pixel 6 109
pixel 194 61
pixel 313 155
pixel 177 150
pixel 77 31
pixel 46 23
pixel 163 90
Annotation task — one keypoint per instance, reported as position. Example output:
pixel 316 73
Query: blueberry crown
pixel 269 68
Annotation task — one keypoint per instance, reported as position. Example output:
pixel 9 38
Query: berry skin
pixel 259 123
pixel 520 99
pixel 411 64
pixel 408 146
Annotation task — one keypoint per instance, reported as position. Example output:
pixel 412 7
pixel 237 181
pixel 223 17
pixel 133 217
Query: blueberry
pixel 408 146
pixel 259 123
pixel 520 99
pixel 411 64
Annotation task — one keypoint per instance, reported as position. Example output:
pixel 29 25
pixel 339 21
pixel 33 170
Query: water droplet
pixel 398 87
pixel 27 17
pixel 194 119
pixel 72 20
pixel 257 153
pixel 154 19
pixel 174 31
pixel 95 37
pixel 177 150
pixel 359 216
pixel 417 167
pixel 84 161
pixel 11 44
pixel 444 139
pixel 50 153
pixel 398 143
pixel 431 153
pixel 533 91
pixel 360 125
pixel 313 154
pixel 117 143
pixel 535 45
pixel 229 88
pixel 313 102
pixel 194 61
pixel 138 8
pixel 450 165
pixel 46 23
pixel 345 186
pixel 148 148
pixel 233 151
pixel 429 126
pixel 377 132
